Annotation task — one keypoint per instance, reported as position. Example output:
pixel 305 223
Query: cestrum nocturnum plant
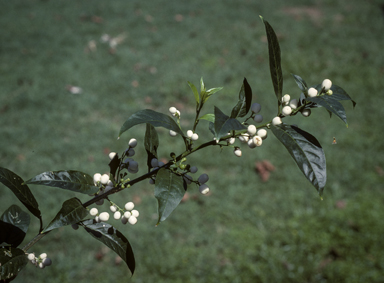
pixel 231 131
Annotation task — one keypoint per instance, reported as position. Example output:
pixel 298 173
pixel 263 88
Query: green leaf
pixel 208 117
pixel 71 212
pixel 12 261
pixel 14 225
pixel 301 83
pixel 112 238
pixel 195 93
pixel 245 99
pixel 207 94
pixel 338 93
pixel 274 60
pixel 225 124
pixel 22 192
pixel 202 86
pixel 331 104
pixel 68 180
pixel 154 118
pixel 114 165
pixel 169 191
pixel 306 151
pixel 151 143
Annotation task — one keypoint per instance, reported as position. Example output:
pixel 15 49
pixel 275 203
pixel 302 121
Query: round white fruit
pixel 129 206
pixel 251 130
pixel 326 84
pixel 286 110
pixel 312 92
pixel 204 189
pixel 276 121
pixel 104 216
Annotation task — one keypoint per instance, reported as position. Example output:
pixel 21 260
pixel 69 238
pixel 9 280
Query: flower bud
pixel 251 130
pixel 195 137
pixel 189 133
pixel 117 215
pixel 286 98
pixel 129 205
pixel 193 169
pixel 306 112
pixel 312 92
pixel 237 152
pixel 112 155
pixel 93 211
pixel 203 178
pixel 276 121
pixel 104 216
pixel 104 179
pixel 203 189
pixel 326 84
pixel 132 143
pixel 172 110
pixel 172 133
pixel 293 104
pixel 257 140
pixel 96 178
pixel 286 110
pixel 135 213
pixel 132 220
pixel 255 107
pixel 258 118
pixel 262 133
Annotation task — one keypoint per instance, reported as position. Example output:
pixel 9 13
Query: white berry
pixel 43 256
pixel 129 206
pixel 293 103
pixel 326 84
pixel 231 140
pixel 31 256
pixel 93 211
pixel 132 220
pixel 251 130
pixel 132 143
pixel 96 178
pixel 117 215
pixel 286 98
pixel 276 121
pixel 112 155
pixel 135 213
pixel 306 112
pixel 257 140
pixel 286 110
pixel 104 179
pixel 189 133
pixel 237 152
pixel 251 144
pixel 104 216
pixel 127 214
pixel 262 133
pixel 258 118
pixel 113 208
pixel 255 107
pixel 172 133
pixel 312 92
pixel 172 110
pixel 195 137
pixel 204 189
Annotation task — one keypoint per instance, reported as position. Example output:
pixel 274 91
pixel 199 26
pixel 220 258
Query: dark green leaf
pixel 306 151
pixel 274 60
pixel 169 191
pixel 212 128
pixel 301 83
pixel 195 92
pixel 14 225
pixel 22 192
pixel 71 212
pixel 331 104
pixel 68 180
pixel 114 165
pixel 12 261
pixel 151 143
pixel 338 93
pixel 112 238
pixel 208 117
pixel 225 124
pixel 245 99
pixel 154 118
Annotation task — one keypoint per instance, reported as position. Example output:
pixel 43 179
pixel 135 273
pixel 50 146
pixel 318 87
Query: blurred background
pixel 71 73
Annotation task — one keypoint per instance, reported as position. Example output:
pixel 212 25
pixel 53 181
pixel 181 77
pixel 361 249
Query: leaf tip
pixel 261 17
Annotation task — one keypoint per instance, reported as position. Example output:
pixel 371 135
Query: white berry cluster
pixel 175 113
pixel 325 87
pixel 193 136
pixel 104 183
pixel 41 261
pixel 252 137
pixel 126 215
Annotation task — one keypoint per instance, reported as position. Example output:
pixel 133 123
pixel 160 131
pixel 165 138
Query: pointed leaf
pixel 154 118
pixel 207 94
pixel 245 99
pixel 331 104
pixel 195 92
pixel 225 124
pixel 151 143
pixel 169 191
pixel 12 261
pixel 338 93
pixel 208 117
pixel 22 192
pixel 112 238
pixel 114 165
pixel 306 151
pixel 14 225
pixel 68 180
pixel 212 128
pixel 274 60
pixel 301 83
pixel 71 212
pixel 202 86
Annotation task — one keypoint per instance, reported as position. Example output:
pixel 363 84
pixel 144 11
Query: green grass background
pixel 246 230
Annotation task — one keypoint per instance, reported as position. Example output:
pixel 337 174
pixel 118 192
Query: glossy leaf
pixel 245 99
pixel 338 93
pixel 301 83
pixel 306 151
pixel 331 104
pixel 114 165
pixel 169 191
pixel 22 191
pixel 14 225
pixel 12 261
pixel 71 212
pixel 154 118
pixel 68 180
pixel 225 124
pixel 151 143
pixel 112 238
pixel 195 92
pixel 208 117
pixel 274 60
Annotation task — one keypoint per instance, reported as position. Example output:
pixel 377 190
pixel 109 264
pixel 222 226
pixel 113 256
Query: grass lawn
pixel 246 230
